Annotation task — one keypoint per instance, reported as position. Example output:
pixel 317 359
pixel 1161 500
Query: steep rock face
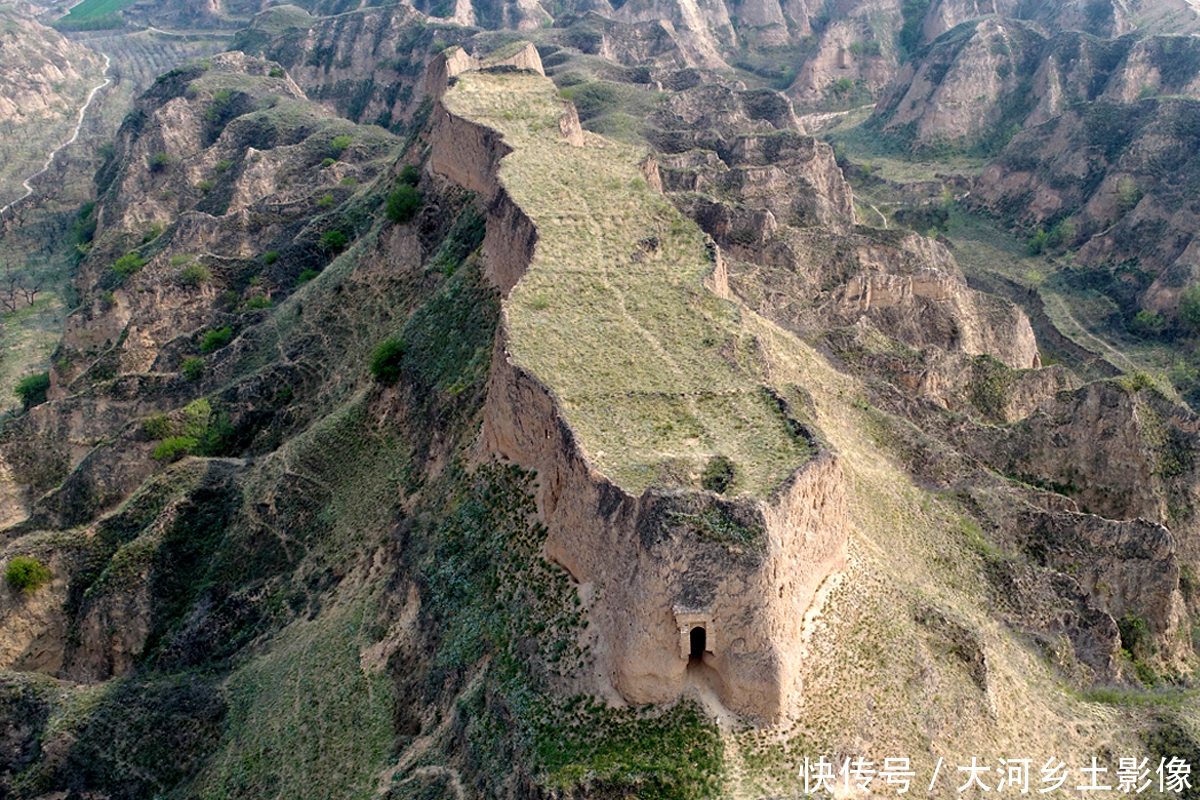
pixel 1146 468
pixel 1128 568
pixel 943 15
pixel 977 85
pixel 368 65
pixel 978 385
pixel 654 568
pixel 1156 65
pixel 956 91
pixel 778 179
pixel 855 49
pixel 1106 585
pixel 33 627
pixel 1122 176
pixel 904 284
pixel 701 33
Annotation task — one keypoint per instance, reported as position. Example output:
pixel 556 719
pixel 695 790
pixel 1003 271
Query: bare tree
pixel 31 292
pixel 8 295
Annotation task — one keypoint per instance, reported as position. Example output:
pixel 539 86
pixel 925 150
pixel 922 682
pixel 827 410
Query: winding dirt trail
pixel 1110 353
pixel 28 182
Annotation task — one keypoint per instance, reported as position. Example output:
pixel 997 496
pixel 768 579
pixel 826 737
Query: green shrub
pixel 157 426
pixel 325 202
pixel 160 161
pixel 259 301
pixel 152 234
pixel 215 339
pixel 175 447
pixel 339 144
pixel 718 474
pixel 334 241
pixel 195 275
pixel 1128 194
pixel 348 181
pixel 204 186
pixel 128 264
pixel 32 389
pixel 1038 242
pixel 276 72
pixel 403 204
pixel 1147 324
pixel 192 368
pixel 220 103
pixel 329 162
pixel 196 415
pixel 26 574
pixel 1189 307
pixel 410 174
pixel 306 276
pixel 386 361
pixel 270 257
pixel 221 167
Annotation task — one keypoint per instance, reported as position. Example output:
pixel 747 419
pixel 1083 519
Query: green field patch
pixel 94 15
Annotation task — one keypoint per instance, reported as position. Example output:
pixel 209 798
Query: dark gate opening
pixel 699 643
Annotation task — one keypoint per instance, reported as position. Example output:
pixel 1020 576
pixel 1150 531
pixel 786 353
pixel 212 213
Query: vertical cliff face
pixel 652 569
pixel 656 568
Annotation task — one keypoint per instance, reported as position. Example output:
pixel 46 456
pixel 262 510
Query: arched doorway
pixel 698 640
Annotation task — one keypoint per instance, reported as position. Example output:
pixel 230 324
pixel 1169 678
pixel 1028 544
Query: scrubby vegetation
pixel 718 474
pixel 403 204
pixel 32 389
pixel 215 339
pixel 192 368
pixel 387 360
pixel 128 265
pixel 26 574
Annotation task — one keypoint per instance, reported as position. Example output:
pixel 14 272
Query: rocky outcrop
pixel 653 568
pixel 1127 568
pixel 1118 178
pixel 781 178
pixel 197 162
pixel 968 84
pixel 219 164
pixel 368 65
pixel 1146 468
pixel 851 59
pixel 33 626
pixel 675 583
pixel 906 285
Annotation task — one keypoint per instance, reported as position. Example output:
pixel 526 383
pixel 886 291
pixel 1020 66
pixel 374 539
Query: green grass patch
pixel 618 331
pixel 91 15
pixel 306 720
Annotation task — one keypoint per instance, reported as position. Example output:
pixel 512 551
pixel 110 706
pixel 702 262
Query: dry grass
pixel 878 683
pixel 648 365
